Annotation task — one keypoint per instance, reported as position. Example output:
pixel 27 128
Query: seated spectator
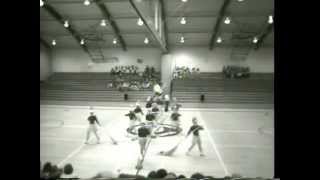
pixel 152 174
pixel 104 174
pixel 120 86
pixel 152 72
pixel 126 84
pixel 110 85
pixel 209 177
pixel 161 173
pixel 112 72
pixel 181 177
pixel 130 176
pixel 116 70
pixel 145 84
pixel 170 175
pixel 55 172
pixel 46 170
pixel 127 70
pixel 134 86
pixel 198 71
pixel 197 176
pixel 68 172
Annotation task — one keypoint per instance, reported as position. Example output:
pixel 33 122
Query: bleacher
pixel 258 89
pixel 91 87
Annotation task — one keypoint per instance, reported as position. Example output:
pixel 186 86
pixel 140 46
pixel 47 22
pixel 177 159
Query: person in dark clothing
pixel 197 176
pixel 143 134
pixel 194 129
pixel 132 118
pixel 152 174
pixel 166 102
pixel 161 173
pixel 93 120
pixel 150 117
pixel 155 110
pixel 45 174
pixel 149 102
pixel 175 119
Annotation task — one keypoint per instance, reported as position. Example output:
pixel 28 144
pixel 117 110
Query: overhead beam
pixel 164 20
pixel 150 29
pixel 104 10
pixel 263 36
pixel 218 23
pixel 81 2
pixel 61 20
pixel 81 17
pixel 43 42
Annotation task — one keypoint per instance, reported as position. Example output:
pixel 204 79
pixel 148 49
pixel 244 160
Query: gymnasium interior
pixel 215 58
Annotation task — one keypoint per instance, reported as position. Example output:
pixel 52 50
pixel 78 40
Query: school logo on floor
pixel 160 130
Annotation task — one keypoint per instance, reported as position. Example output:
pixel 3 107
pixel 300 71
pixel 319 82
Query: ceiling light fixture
pixel 227 20
pixel 114 41
pixel 182 39
pixel 66 24
pixel 82 42
pixel 219 40
pixel 53 42
pixel 146 40
pixel 255 40
pixel 41 3
pixel 140 22
pixel 184 0
pixel 183 20
pixel 86 2
pixel 270 19
pixel 240 0
pixel 103 22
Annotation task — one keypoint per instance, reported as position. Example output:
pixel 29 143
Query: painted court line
pixel 73 153
pixel 214 146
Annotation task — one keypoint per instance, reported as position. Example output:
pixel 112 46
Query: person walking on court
pixel 196 139
pixel 93 120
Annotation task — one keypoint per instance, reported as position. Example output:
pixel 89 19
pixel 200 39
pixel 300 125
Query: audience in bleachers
pixel 68 172
pixel 52 172
pixel 126 78
pixel 236 71
pixel 185 72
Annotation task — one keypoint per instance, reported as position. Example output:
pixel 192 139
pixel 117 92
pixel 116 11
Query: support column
pixel 166 71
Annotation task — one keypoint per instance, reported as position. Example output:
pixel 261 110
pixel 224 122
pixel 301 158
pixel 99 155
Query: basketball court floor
pixel 234 141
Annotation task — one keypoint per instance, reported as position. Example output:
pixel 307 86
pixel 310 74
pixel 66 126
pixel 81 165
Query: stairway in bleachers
pixel 256 90
pixel 86 87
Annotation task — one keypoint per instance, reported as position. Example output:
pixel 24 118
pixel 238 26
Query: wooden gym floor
pixel 234 140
